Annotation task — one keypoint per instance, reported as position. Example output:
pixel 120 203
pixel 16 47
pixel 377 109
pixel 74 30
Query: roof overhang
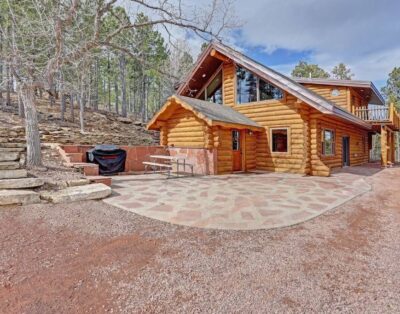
pixel 376 96
pixel 163 114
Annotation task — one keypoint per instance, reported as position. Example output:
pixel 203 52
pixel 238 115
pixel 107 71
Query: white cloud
pixel 362 33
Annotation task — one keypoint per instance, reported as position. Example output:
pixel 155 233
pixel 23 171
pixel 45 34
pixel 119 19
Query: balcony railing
pixel 384 114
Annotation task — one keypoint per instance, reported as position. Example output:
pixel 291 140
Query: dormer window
pixel 251 88
pixel 213 91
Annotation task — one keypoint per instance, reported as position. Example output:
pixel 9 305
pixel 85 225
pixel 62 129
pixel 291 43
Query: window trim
pixel 333 142
pixel 287 128
pixel 212 77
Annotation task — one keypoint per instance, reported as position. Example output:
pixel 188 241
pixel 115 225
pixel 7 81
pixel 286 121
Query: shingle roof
pixel 216 112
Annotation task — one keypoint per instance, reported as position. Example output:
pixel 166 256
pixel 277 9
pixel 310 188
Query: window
pixel 213 92
pixel 250 88
pixel 269 91
pixel 235 140
pixel 328 142
pixel 279 140
pixel 246 86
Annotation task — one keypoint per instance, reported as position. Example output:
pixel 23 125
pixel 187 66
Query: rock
pixel 23 183
pixel 9 156
pixel 77 182
pixel 18 197
pixel 13 174
pixel 6 145
pixel 78 193
pixel 12 149
pixel 9 165
pixel 124 120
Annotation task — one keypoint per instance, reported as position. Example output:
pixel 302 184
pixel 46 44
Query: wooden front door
pixel 236 151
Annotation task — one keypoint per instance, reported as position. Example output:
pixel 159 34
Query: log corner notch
pixel 216 54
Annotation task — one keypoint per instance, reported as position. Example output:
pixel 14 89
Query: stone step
pixel 12 149
pixel 24 183
pixel 18 197
pixel 9 165
pixel 77 193
pixel 13 174
pixel 12 145
pixel 9 156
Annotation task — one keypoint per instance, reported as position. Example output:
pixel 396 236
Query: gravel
pixel 92 257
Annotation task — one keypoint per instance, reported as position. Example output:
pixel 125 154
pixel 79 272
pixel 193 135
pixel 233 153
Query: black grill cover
pixel 110 158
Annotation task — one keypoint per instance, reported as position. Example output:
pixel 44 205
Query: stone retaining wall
pixel 15 134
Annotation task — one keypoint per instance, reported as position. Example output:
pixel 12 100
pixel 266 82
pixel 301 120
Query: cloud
pixel 362 33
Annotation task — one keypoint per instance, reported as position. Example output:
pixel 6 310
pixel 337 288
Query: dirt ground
pixel 93 258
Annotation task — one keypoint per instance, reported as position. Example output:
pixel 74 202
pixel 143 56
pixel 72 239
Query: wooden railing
pixel 387 114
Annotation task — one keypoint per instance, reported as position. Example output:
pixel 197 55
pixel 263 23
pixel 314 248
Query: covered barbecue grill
pixel 110 158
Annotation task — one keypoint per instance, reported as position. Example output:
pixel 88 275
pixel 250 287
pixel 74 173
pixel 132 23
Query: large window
pixel 250 88
pixel 328 142
pixel 279 140
pixel 213 91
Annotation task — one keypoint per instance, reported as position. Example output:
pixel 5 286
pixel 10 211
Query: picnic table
pixel 167 163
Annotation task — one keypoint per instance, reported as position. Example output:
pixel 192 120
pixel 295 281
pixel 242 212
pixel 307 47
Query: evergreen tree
pixel 342 72
pixel 392 88
pixel 305 70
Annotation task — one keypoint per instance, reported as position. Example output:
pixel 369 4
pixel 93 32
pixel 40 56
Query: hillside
pixel 101 126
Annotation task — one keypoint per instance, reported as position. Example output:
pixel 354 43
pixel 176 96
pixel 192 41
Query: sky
pixel 364 34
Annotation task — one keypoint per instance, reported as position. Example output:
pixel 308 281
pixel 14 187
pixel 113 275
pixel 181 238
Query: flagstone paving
pixel 235 202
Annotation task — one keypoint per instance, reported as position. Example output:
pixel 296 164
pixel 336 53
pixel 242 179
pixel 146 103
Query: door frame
pixel 346 151
pixel 242 134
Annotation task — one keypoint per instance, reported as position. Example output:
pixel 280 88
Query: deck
pixel 385 115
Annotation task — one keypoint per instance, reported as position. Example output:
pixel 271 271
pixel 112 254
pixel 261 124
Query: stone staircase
pixel 15 184
pixel 17 187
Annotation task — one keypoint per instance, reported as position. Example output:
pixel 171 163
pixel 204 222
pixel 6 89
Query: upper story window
pixel 213 91
pixel 251 88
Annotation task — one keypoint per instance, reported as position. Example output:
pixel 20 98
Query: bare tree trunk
pixel 96 87
pixel 8 96
pixel 71 101
pixel 109 83
pixel 122 66
pixel 116 96
pixel 34 157
pixel 63 98
pixel 1 70
pixel 81 111
pixel 21 110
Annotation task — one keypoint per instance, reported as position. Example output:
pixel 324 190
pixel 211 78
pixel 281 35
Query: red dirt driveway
pixel 94 258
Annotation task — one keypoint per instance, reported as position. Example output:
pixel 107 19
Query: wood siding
pixel 325 91
pixel 320 164
pixel 229 84
pixel 224 150
pixel 184 129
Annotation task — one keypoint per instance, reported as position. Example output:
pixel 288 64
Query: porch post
pixel 384 150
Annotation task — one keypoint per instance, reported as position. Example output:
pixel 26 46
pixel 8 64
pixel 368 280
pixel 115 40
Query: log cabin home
pixel 232 114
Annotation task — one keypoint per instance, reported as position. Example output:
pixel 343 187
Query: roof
pixel 376 97
pixel 211 113
pixel 280 80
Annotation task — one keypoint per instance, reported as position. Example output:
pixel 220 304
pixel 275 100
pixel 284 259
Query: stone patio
pixel 236 202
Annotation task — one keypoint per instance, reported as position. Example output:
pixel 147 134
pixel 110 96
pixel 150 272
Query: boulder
pixel 11 149
pixel 77 193
pixel 18 197
pixel 10 145
pixel 77 182
pixel 9 165
pixel 24 183
pixel 13 174
pixel 9 156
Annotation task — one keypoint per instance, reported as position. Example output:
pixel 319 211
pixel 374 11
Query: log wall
pixel 359 153
pixel 325 91
pixel 184 129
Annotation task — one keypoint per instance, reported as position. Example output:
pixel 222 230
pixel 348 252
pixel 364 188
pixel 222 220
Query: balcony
pixel 387 115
